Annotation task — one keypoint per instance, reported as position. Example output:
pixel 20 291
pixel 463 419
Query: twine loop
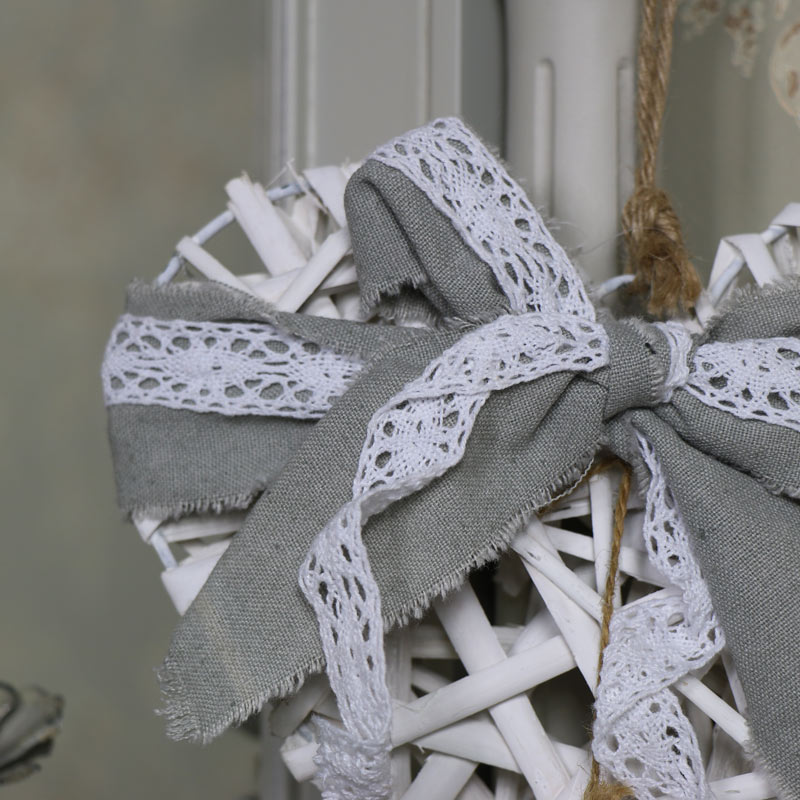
pixel 659 260
pixel 657 255
pixel 663 272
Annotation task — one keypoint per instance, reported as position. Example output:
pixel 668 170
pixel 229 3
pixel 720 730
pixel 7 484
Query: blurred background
pixel 119 125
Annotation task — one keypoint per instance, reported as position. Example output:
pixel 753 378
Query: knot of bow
pixel 433 444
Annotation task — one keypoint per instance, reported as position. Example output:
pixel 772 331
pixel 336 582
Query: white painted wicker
pixel 487 704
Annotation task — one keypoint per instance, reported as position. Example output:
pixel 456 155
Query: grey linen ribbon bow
pixel 433 445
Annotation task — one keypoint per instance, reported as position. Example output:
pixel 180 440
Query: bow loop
pixel 458 231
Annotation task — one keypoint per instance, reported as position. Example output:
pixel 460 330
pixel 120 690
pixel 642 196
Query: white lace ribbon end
pixel 641 735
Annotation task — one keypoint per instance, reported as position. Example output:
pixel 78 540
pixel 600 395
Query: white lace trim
pixel 752 379
pixel 492 213
pixel 418 435
pixel 227 368
pixel 640 733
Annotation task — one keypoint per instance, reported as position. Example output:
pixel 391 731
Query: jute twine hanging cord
pixel 658 258
pixel 598 789
pixel 657 255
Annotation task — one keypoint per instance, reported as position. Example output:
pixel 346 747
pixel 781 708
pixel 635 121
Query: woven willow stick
pixel 201 526
pixel 318 267
pixel 426 680
pixel 477 738
pixel 475 789
pixel 398 679
pixel 341 279
pixel 507 785
pixel 442 777
pixel 578 628
pixel 203 261
pixel 288 714
pixel 474 739
pixel 601 495
pixel 469 631
pixel 632 561
pixel 261 223
pixel 329 184
pixel 576 787
pixel 349 305
pixel 730 720
pixel 467 696
pixel 535 555
pixel 430 641
pixel 320 306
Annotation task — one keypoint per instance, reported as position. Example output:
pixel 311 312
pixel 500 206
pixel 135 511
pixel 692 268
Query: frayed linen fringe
pixel 499 543
pixel 183 719
pixel 216 505
pixel 784 791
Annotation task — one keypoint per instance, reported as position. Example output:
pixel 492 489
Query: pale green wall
pixel 731 154
pixel 119 124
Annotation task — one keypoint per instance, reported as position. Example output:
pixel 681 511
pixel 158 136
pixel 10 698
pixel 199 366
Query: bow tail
pixel 417 436
pixel 641 734
pixel 744 538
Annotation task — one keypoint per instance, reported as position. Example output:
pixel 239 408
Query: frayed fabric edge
pixel 784 790
pixel 212 505
pixel 497 545
pixel 184 719
pixel 378 301
pixel 745 295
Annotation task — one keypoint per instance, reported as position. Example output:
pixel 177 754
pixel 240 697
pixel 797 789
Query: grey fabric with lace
pixel 250 635
pixel 170 462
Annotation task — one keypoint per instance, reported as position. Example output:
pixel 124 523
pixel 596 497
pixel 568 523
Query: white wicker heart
pixel 492 696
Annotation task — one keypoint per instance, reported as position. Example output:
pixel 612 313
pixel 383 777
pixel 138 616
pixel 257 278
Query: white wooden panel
pixel 346 76
pixel 570 117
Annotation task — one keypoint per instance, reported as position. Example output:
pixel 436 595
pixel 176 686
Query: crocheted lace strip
pixel 227 368
pixel 640 734
pixel 469 186
pixel 753 379
pixel 653 750
pixel 418 435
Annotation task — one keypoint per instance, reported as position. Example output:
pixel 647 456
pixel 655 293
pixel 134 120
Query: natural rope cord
pixel 656 253
pixel 598 789
pixel 660 262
